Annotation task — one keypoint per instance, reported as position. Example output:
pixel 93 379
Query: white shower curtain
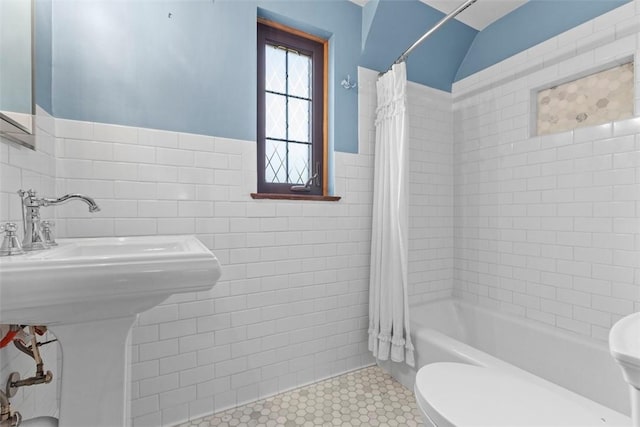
pixel 388 305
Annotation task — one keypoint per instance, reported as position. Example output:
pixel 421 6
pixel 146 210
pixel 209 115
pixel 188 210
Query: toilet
pixel 457 394
pixel 624 344
pixel 40 422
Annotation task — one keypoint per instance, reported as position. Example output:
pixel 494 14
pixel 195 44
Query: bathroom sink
pixel 100 278
pixel 89 293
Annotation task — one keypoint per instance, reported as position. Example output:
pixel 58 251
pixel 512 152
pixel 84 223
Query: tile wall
pixel 431 194
pixel 291 307
pixel 547 227
pixel 22 168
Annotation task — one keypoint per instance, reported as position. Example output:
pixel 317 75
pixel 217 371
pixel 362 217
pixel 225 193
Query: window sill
pixel 276 196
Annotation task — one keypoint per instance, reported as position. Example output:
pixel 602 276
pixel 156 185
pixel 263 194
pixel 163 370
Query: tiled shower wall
pixel 547 227
pixel 21 168
pixel 431 193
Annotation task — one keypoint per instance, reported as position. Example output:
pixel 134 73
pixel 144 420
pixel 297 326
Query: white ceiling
pixel 478 15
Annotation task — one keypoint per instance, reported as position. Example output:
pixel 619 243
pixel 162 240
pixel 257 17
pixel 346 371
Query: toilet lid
pixel 456 394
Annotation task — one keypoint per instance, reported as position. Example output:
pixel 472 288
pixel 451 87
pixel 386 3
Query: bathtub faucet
pixel 33 233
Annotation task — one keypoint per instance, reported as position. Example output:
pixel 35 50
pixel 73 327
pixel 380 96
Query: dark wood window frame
pixel 273 33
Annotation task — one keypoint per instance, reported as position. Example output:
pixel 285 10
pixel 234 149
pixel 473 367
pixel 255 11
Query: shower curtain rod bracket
pixel 433 29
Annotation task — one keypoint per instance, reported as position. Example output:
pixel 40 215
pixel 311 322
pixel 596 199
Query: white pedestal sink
pixel 89 292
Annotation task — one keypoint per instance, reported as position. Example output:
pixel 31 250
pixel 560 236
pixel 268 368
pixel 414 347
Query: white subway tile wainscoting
pixel 291 306
pixel 24 168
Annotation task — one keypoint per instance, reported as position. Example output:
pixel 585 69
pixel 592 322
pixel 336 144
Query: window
pixel 291 112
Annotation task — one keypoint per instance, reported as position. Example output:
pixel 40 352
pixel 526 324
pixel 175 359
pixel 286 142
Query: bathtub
pixel 450 330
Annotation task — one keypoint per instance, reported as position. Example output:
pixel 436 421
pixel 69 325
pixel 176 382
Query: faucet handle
pixel 10 243
pixel 9 228
pixel 30 193
pixel 47 232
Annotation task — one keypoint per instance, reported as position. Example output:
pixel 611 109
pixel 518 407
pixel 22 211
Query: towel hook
pixel 347 83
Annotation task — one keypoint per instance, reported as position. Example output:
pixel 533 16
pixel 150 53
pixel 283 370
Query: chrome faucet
pixel 33 237
pixel 93 207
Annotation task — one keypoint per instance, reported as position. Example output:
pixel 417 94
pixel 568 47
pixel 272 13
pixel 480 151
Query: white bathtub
pixel 451 330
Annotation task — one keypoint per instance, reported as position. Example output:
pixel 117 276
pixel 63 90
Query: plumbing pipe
pixel 7 418
pixel 4 401
pixel 8 338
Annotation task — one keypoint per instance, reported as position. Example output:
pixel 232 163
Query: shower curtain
pixel 388 306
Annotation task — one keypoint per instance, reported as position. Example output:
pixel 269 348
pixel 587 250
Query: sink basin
pixel 90 279
pixel 89 293
pixel 122 247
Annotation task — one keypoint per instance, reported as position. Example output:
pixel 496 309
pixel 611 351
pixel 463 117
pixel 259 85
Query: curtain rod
pixel 435 28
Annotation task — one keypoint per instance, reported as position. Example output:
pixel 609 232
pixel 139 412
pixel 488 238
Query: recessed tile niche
pixel 598 98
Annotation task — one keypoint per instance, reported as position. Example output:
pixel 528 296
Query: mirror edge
pixel 16 133
pixel 9 128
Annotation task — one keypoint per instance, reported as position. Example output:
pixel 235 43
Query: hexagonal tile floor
pixel 367 397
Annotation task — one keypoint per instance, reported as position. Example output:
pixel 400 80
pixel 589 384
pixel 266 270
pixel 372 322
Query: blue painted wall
pixel 397 24
pixel 528 25
pixel 127 62
pixel 368 13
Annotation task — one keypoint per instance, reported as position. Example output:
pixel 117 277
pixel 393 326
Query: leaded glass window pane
pixel 299 120
pixel 299 75
pixel 276 116
pixel 275 69
pixel 276 155
pixel 299 160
